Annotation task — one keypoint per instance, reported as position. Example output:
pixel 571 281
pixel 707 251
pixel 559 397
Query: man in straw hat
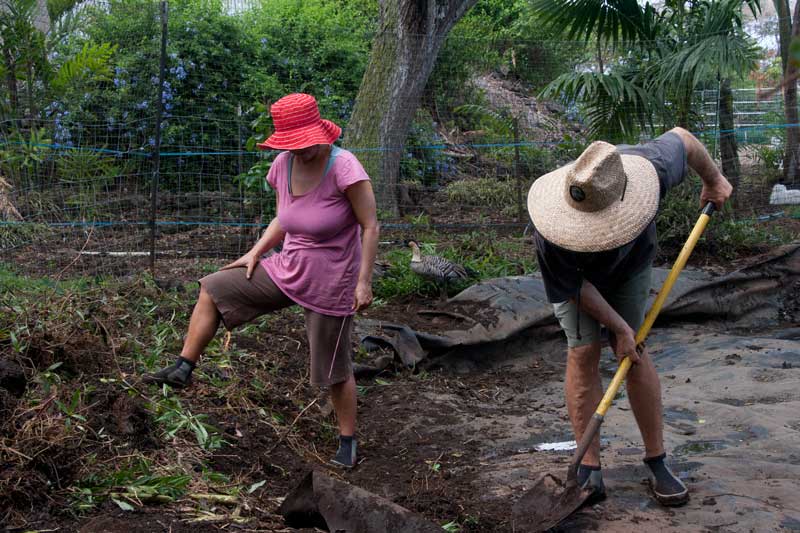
pixel 595 236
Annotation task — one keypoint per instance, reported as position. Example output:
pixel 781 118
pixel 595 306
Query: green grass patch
pixel 483 252
pixel 485 192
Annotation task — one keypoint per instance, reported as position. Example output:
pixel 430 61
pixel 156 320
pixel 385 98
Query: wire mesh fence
pixel 120 161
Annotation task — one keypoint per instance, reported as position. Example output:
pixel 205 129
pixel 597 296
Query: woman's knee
pixel 205 302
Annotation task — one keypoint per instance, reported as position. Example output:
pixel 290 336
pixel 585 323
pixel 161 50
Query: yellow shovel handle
pixel 680 262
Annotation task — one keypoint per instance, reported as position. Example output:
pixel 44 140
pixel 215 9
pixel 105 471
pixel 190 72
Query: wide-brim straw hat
pixel 298 124
pixel 601 201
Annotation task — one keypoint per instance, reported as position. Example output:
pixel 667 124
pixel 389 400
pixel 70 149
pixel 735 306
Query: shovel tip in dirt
pixel 547 503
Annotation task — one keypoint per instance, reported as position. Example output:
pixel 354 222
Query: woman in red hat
pixel 327 222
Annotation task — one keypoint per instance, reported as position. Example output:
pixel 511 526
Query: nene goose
pixel 437 269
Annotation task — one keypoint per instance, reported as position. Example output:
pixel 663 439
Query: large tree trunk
pixel 727 138
pixel 786 31
pixel 404 51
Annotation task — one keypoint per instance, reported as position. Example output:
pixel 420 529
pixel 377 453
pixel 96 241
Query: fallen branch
pixel 289 430
pixel 12 450
pixel 78 256
pixel 216 498
pixel 210 517
pixel 141 498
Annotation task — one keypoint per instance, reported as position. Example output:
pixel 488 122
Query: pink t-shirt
pixel 321 256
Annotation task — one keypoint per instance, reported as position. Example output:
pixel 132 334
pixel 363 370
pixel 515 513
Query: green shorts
pixel 629 300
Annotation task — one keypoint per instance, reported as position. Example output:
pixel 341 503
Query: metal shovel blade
pixel 547 503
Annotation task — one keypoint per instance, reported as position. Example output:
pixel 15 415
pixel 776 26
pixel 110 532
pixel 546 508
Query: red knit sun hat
pixel 298 124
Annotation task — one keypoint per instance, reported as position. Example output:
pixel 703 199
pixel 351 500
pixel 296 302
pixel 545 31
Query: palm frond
pixel 612 102
pixel 92 63
pixel 608 20
pixel 719 46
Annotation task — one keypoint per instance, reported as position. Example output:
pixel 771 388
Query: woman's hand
pixel 363 296
pixel 249 260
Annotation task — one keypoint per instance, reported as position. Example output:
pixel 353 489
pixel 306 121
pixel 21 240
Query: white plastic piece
pixel 780 195
pixel 556 446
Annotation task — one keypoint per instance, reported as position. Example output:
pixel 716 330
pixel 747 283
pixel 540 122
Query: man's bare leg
pixel 584 390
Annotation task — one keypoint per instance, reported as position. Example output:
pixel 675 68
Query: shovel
pixel 550 500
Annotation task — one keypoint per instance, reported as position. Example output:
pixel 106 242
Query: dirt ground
pixel 458 444
pixel 453 440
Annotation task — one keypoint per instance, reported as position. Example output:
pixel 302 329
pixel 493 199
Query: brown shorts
pixel 240 300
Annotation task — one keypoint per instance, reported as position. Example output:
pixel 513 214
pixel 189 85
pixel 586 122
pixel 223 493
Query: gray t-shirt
pixel 563 271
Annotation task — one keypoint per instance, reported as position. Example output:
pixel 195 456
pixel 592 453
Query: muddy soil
pixel 455 441
pixel 459 447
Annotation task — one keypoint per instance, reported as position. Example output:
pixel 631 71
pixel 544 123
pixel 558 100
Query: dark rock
pixel 12 378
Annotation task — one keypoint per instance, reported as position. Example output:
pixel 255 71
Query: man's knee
pixel 585 354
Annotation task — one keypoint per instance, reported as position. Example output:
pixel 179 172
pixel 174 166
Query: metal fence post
pixel 157 146
pixel 517 174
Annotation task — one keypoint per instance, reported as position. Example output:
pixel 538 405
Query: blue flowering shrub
pixel 425 160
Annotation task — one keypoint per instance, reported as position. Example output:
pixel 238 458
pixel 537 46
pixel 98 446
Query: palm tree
pixel 788 30
pixel 661 57
pixel 29 33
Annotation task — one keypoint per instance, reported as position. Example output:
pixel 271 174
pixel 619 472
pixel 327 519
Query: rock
pixel 709 500
pixel 12 378
pixel 732 359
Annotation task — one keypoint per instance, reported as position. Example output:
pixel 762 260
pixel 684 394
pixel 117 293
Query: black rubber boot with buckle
pixel 346 454
pixel 666 487
pixel 591 477
pixel 178 375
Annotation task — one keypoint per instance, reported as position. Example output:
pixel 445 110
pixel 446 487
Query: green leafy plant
pixel 175 419
pixel 128 486
pixel 91 64
pixel 451 527
pixel 71 410
pixel 726 237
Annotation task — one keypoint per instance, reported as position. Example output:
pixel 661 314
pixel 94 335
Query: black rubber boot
pixel 178 375
pixel 666 487
pixel 346 454
pixel 591 477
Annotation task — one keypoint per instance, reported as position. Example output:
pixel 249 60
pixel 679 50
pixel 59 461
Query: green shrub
pixel 480 252
pixel 485 192
pixel 726 236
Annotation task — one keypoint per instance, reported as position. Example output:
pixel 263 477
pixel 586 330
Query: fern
pixel 91 64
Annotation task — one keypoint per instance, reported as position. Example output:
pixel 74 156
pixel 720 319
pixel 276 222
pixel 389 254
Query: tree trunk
pixel 11 81
pixel 727 137
pixel 600 57
pixel 786 30
pixel 404 51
